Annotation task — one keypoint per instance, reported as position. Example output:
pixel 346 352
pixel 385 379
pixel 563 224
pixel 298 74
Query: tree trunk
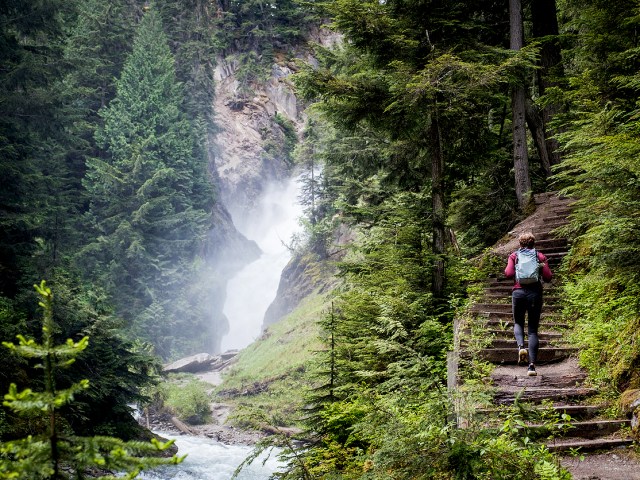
pixel 437 203
pixel 536 127
pixel 545 25
pixel 520 158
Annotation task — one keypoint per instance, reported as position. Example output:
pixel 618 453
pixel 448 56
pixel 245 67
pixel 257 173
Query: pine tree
pixel 150 193
pixel 56 454
pixel 409 73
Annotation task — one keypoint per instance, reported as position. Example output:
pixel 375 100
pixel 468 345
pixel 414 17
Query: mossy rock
pixel 630 405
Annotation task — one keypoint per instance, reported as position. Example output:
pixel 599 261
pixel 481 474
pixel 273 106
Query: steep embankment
pixel 560 382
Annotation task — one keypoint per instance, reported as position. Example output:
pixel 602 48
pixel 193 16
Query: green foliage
pixel 55 454
pixel 150 197
pixel 189 399
pixel 272 373
pixel 253 34
pixel 601 172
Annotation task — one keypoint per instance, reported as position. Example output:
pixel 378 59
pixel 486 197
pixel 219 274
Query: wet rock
pixel 195 363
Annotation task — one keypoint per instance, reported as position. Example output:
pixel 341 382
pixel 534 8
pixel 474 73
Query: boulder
pixel 630 405
pixel 192 364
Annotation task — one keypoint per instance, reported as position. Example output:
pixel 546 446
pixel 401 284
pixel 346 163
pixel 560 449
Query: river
pixel 211 460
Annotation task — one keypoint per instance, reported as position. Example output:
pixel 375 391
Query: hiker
pixel 528 267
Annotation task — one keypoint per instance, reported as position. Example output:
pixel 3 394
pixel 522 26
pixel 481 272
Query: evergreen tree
pixel 33 193
pixel 150 193
pixel 410 72
pixel 600 140
pixel 55 454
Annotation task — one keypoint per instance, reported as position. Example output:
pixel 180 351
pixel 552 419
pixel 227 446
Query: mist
pixel 250 292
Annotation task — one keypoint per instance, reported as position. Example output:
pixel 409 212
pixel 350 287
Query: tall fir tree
pixel 150 193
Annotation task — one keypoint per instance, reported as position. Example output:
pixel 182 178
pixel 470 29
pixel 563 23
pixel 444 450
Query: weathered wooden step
pixel 507 324
pixel 507 289
pixel 556 255
pixel 545 234
pixel 494 297
pixel 508 356
pixel 590 429
pixel 576 412
pixel 511 343
pixel 506 307
pixel 579 411
pixel 499 333
pixel 561 249
pixel 543 245
pixel 501 281
pixel 521 379
pixel 546 197
pixel 507 395
pixel 506 316
pixel 556 217
pixel 585 445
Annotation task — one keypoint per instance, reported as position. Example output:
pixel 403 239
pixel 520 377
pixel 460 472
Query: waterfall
pixel 250 292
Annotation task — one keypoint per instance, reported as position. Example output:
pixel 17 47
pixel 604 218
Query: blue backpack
pixel 527 266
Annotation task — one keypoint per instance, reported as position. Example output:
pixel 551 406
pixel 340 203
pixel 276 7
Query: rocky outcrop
pixel 200 362
pixel 307 273
pixel 248 154
pixel 298 279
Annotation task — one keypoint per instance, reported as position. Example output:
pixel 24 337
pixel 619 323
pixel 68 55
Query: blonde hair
pixel 527 240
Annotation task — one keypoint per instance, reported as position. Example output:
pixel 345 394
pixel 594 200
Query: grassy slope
pixel 269 374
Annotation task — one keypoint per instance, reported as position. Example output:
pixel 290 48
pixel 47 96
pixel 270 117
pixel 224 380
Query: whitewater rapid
pixel 211 460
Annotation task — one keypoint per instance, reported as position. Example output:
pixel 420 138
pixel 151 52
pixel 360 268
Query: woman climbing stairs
pixel 560 380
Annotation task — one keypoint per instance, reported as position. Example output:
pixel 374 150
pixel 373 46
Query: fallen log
pixel 183 427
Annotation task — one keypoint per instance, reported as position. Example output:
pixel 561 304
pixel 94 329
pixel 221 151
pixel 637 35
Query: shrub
pixel 188 399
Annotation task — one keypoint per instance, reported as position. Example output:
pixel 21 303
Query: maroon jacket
pixel 510 271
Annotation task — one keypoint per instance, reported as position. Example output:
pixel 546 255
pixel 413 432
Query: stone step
pixel 586 445
pixel 507 395
pixel 508 356
pixel 590 429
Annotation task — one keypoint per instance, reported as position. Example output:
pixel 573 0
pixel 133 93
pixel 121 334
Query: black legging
pixel 529 301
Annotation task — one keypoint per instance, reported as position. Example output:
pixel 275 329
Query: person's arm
pixel 510 271
pixel 546 271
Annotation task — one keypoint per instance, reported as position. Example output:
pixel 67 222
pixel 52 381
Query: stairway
pixel 560 380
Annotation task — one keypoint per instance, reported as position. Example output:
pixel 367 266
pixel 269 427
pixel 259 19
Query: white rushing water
pixel 252 290
pixel 211 460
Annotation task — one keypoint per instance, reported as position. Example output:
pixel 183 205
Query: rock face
pixel 247 145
